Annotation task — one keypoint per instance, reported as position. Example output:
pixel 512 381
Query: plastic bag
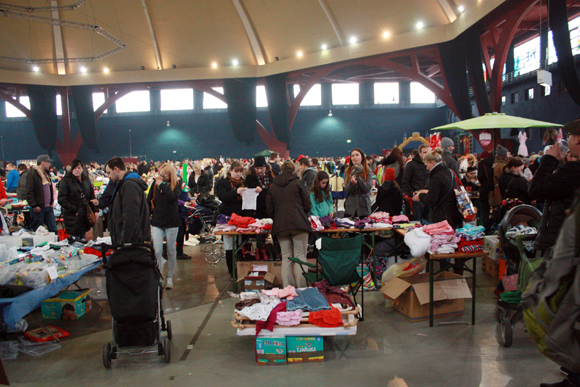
pixel 404 269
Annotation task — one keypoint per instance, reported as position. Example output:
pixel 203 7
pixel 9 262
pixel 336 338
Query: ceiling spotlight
pixel 461 8
pixel 299 53
pixel 106 70
pixel 142 67
pixel 173 66
pixel 35 69
pixel 235 62
pixel 353 39
pixel 324 46
pixel 83 69
pixel 386 34
pixel 214 65
pixel 348 141
pixel 419 25
pixel 330 113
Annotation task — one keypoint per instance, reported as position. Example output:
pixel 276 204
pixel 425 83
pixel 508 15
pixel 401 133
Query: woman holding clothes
pixel 440 194
pixel 163 205
pixel 359 181
pixel 320 197
pixel 75 192
pixel 288 204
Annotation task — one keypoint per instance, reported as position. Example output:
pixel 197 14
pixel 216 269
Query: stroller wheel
pixel 168 328
pixel 167 350
pixel 498 314
pixel 507 333
pixel 107 355
pixel 213 253
pixel 160 349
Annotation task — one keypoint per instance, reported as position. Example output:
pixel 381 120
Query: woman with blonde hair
pixel 163 205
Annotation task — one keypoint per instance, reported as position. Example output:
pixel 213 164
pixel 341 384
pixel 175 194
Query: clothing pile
pixel 470 233
pixel 520 229
pixel 440 238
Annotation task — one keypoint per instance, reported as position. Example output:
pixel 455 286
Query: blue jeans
pixel 44 216
pixel 170 235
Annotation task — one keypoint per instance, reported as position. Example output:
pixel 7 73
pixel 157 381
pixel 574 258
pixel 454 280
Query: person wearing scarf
pixel 40 195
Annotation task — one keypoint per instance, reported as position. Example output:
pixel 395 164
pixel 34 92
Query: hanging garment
pixel 523 149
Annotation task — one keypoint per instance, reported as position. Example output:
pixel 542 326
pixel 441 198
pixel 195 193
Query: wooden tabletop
pixel 327 231
pixel 457 255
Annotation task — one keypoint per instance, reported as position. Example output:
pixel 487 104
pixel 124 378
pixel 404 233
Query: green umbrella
pixel 265 153
pixel 497 121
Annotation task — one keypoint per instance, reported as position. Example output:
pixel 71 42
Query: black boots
pixel 230 261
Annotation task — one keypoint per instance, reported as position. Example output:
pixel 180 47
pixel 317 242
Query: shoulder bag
pixel 91 216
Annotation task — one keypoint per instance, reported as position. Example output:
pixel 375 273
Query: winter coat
pixel 441 197
pixel 547 185
pixel 231 201
pixel 74 209
pixel 202 186
pixel 450 161
pixel 129 213
pixel 358 201
pixel 494 195
pixel 252 182
pixel 276 169
pixel 165 213
pixel 485 177
pixel 21 188
pixel 414 176
pixel 34 190
pixel 323 208
pixel 308 177
pixel 287 203
pixel 389 199
pixel 514 186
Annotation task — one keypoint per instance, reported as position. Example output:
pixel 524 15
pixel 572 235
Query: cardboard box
pixel 68 305
pixel 304 349
pixel 491 246
pixel 492 267
pixel 257 279
pixel 410 295
pixel 271 350
pixel 274 268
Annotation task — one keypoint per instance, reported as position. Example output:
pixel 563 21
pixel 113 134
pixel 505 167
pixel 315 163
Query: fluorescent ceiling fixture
pixel 235 62
pixel 35 69
pixel 420 25
pixel 461 8
pixel 386 34
pixel 214 65
pixel 83 69
pixel 106 70
pixel 299 53
pixel 348 141
pixel 353 39
pixel 324 46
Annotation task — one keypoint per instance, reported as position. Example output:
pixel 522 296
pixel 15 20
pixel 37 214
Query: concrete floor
pixel 387 351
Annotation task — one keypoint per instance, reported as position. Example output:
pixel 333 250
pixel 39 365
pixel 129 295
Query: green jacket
pixel 321 209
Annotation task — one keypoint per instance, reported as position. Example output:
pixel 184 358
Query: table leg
pixel 374 260
pixel 430 265
pixel 234 272
pixel 473 282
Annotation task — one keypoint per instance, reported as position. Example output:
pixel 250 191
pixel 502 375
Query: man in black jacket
pixel 485 176
pixel 448 147
pixel 415 179
pixel 556 185
pixel 129 213
pixel 40 195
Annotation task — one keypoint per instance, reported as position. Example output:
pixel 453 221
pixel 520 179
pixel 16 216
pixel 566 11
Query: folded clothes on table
pixel 441 228
pixel 309 299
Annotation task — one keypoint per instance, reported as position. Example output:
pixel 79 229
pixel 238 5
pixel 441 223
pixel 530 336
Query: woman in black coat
pixel 512 183
pixel 389 195
pixel 71 189
pixel 199 182
pixel 439 195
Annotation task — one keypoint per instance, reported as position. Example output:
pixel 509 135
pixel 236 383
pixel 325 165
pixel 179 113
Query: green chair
pixel 338 260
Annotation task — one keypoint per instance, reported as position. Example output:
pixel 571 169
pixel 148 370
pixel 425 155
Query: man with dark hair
pixel 12 178
pixel 129 213
pixel 40 195
pixel 415 179
pixel 274 159
pixel 143 168
pixel 485 177
pixel 21 188
pixel 308 172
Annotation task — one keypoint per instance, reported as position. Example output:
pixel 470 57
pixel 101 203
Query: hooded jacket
pixel 547 184
pixel 129 217
pixel 441 198
pixel 287 203
pixel 485 177
pixel 308 177
pixel 165 212
pixel 389 199
pixel 414 176
pixel 74 209
pixel 512 186
pixel 450 161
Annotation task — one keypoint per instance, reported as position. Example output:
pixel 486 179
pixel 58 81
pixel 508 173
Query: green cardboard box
pixel 271 350
pixel 68 305
pixel 305 349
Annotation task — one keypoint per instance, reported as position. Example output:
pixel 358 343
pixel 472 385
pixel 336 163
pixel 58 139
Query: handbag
pixel 91 216
pixel 464 204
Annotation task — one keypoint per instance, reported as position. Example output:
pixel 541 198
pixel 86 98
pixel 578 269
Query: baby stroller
pixel 520 260
pixel 201 221
pixel 134 290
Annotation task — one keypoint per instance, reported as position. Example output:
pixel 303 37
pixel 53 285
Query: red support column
pixel 66 150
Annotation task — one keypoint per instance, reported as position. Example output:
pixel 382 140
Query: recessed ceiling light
pixel 353 39
pixel 214 65
pixel 83 69
pixel 348 141
pixel 461 8
pixel 35 69
pixel 106 70
pixel 235 62
pixel 299 53
pixel 419 25
pixel 324 46
pixel 386 34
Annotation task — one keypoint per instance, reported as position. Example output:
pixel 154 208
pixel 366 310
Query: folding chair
pixel 338 259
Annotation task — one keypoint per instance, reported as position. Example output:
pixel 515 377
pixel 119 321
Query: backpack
pixel 552 300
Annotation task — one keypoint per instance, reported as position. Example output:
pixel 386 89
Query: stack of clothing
pixel 470 246
pixel 441 228
pixel 443 244
pixel 470 233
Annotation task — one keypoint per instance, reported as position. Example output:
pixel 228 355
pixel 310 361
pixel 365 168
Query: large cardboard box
pixel 492 267
pixel 410 295
pixel 491 246
pixel 304 349
pixel 257 279
pixel 271 350
pixel 68 305
pixel 274 268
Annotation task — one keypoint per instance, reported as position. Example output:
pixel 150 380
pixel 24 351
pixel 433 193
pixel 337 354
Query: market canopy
pixel 497 121
pixel 265 153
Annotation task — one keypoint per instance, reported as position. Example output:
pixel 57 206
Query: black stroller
pixel 201 221
pixel 134 290
pixel 519 260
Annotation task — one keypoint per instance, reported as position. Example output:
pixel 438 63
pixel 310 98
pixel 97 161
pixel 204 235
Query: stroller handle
pixel 106 248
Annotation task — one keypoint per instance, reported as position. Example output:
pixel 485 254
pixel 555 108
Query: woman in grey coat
pixel 359 181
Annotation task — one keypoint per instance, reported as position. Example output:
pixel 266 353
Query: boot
pixel 230 261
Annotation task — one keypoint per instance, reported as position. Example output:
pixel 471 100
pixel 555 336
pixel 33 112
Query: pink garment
pixel 441 228
pixel 288 292
pixel 289 319
pixel 380 215
pixel 400 218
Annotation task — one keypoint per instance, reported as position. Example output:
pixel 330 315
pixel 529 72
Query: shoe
pixel 169 283
pixel 183 257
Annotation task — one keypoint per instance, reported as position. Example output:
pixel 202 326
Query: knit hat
pixel 446 142
pixel 259 161
pixel 501 151
pixel 389 174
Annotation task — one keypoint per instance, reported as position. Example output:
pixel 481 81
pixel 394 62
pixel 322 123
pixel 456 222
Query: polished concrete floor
pixel 387 351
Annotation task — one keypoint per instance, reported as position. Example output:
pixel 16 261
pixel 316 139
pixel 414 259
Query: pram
pixel 519 260
pixel 201 221
pixel 134 290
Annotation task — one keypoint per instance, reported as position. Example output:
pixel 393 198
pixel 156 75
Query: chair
pixel 338 259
